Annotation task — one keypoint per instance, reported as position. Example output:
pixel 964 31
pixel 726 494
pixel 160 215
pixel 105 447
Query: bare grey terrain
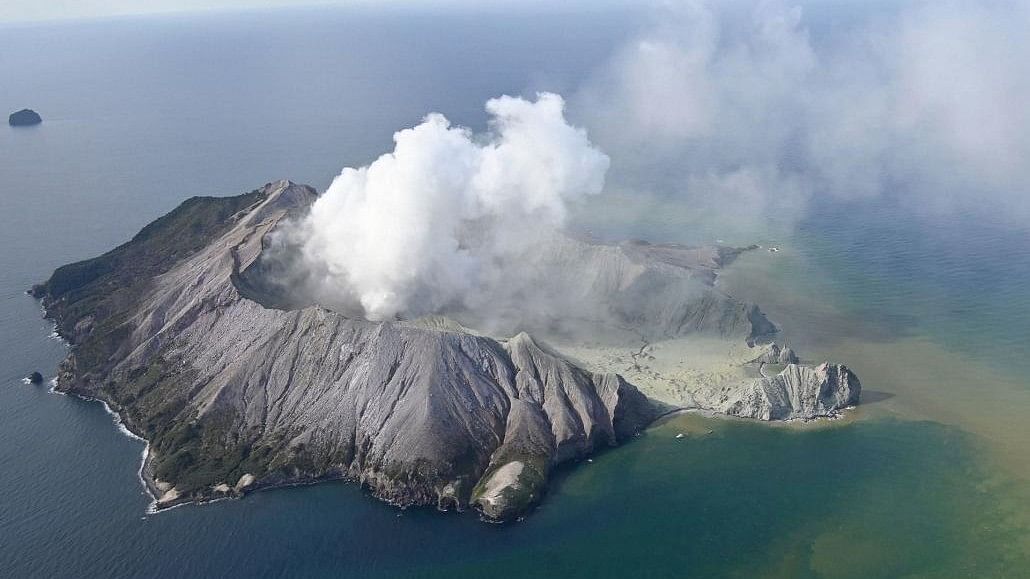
pixel 239 384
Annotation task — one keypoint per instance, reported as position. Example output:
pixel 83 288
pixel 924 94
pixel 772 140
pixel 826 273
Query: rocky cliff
pixel 236 391
pixel 796 393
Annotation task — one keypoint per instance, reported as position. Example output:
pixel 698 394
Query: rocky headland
pixel 237 386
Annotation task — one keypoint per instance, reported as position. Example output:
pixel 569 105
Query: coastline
pixel 99 335
pixel 655 367
pixel 116 418
pixel 916 377
pixel 155 493
pixel 124 430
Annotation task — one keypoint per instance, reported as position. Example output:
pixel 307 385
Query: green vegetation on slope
pixel 97 293
pixel 91 302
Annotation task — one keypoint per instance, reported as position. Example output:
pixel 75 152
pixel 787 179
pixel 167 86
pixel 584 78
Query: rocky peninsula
pixel 236 386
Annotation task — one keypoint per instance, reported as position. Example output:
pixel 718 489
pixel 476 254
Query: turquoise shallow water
pixel 141 114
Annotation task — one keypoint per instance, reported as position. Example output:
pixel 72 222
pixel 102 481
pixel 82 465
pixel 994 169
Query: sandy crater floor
pixel 672 370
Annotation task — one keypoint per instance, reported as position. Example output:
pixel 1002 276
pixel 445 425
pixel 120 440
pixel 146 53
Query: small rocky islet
pixel 24 118
pixel 235 388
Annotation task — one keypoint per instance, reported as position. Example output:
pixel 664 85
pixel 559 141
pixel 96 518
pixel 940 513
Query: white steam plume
pixel 449 216
pixel 751 113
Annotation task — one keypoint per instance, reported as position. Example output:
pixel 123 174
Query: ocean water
pixel 928 478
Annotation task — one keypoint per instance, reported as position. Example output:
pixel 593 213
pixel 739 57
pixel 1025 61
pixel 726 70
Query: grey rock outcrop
pixel 796 393
pixel 788 356
pixel 774 354
pixel 24 118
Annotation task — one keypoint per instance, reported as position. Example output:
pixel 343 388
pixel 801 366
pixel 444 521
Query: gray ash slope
pixel 175 331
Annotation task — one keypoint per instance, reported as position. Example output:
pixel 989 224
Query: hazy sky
pixel 19 10
pixel 33 10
